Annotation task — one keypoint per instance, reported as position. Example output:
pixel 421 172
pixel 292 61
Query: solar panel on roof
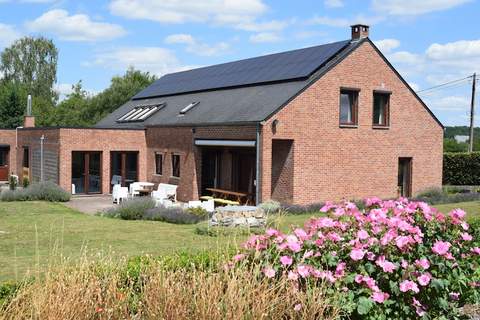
pixel 296 64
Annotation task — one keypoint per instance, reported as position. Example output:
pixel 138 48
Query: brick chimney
pixel 28 119
pixel 359 31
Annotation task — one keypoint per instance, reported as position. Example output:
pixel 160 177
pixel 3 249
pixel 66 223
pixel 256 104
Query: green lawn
pixel 33 233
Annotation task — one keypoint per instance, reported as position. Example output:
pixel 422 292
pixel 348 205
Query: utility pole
pixel 42 139
pixel 472 112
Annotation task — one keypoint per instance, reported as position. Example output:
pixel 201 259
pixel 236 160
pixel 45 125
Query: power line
pixel 445 84
pixel 451 86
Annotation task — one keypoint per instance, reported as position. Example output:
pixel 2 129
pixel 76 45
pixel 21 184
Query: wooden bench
pixel 220 194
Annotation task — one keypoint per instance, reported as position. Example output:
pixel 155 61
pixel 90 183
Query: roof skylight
pixel 188 108
pixel 140 113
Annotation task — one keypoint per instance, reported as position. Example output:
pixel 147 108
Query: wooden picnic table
pixel 146 188
pixel 238 196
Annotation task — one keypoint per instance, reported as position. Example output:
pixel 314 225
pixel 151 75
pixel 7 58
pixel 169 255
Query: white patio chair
pixel 119 193
pixel 208 205
pixel 134 189
pixel 165 191
pixel 194 204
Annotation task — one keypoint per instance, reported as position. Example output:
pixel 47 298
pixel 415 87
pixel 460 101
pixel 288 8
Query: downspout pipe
pixel 258 175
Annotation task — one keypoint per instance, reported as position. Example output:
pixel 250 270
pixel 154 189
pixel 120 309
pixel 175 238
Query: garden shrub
pixel 25 182
pixel 172 215
pixel 271 206
pixel 393 260
pixel 219 231
pixel 132 210
pixel 198 211
pixel 439 196
pixel 47 191
pixel 12 182
pixel 461 168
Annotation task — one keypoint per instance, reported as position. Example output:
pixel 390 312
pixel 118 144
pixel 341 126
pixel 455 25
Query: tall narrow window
pixel 176 165
pixel 158 163
pixel 348 107
pixel 381 106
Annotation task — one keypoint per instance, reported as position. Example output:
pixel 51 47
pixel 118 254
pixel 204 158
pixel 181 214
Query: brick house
pixel 330 122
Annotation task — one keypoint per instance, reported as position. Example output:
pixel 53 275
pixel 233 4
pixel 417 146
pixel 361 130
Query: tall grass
pixel 104 290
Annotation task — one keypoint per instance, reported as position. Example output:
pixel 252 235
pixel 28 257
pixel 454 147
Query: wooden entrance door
pixel 211 160
pixel 4 169
pixel 405 177
pixel 244 171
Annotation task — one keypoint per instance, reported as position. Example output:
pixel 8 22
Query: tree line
pixel 29 66
pixel 451 145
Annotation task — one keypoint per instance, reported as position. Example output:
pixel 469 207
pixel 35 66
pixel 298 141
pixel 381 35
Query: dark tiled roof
pixel 246 91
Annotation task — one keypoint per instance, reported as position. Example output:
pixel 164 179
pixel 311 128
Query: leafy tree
pixel 33 63
pixel 13 101
pixel 122 89
pixel 451 145
pixel 69 111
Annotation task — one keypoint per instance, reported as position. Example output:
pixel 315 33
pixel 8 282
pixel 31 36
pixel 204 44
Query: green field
pixel 32 234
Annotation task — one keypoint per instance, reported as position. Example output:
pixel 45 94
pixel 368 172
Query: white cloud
pixel 78 27
pixel 333 3
pixel 8 34
pixel 405 57
pixel 449 103
pixel 387 45
pixel 152 59
pixel 461 54
pixel 344 22
pixel 274 25
pixel 331 22
pixel 64 89
pixel 414 7
pixel 265 37
pixel 181 11
pixel 196 47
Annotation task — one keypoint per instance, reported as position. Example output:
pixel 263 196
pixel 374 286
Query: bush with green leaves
pixel 198 211
pixel 12 182
pixel 439 196
pixel 393 260
pixel 174 215
pixel 46 191
pixel 133 209
pixel 461 168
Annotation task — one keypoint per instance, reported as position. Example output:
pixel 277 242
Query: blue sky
pixel 429 41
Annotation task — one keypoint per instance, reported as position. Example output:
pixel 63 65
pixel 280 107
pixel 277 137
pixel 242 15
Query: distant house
pixel 461 139
pixel 330 122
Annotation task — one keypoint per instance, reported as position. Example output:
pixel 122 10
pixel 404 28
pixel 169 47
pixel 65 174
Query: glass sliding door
pixel 124 167
pixel 87 171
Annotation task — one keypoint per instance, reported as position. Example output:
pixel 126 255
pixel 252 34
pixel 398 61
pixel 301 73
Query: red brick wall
pixel 7 137
pixel 333 163
pixel 104 140
pixel 180 140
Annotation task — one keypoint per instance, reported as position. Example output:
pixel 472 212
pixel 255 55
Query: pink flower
pixel 340 270
pixel 370 256
pixel 404 264
pixel 357 254
pixel 423 263
pixel 272 232
pixel 238 257
pixel 297 307
pixel 466 237
pixel 386 265
pixel 362 234
pixel 454 295
pixel 292 275
pixel 269 272
pixel 424 279
pixel 293 244
pixel 457 214
pixel 476 250
pixel 286 260
pixel 301 234
pixel 402 241
pixel 380 297
pixel 358 278
pixel 303 271
pixel 408 285
pixel 441 247
pixel 308 254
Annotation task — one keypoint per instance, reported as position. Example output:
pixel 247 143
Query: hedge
pixel 461 168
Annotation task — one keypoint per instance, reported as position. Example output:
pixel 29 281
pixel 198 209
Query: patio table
pixel 146 188
pixel 240 197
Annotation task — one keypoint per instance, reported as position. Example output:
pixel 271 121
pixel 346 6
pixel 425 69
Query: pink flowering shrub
pixel 393 260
